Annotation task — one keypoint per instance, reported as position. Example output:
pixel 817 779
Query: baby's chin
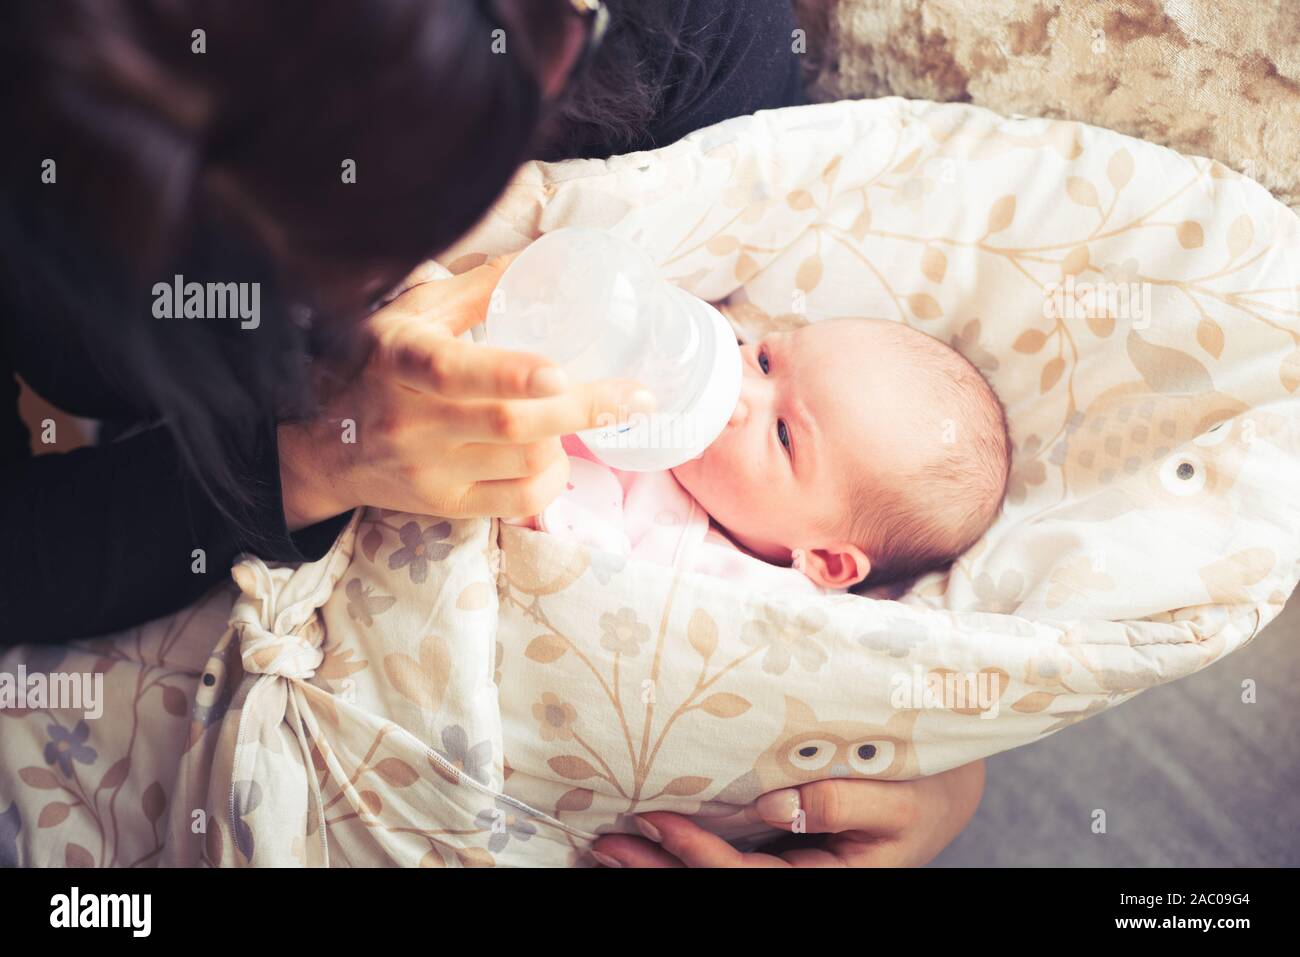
pixel 685 473
pixel 692 474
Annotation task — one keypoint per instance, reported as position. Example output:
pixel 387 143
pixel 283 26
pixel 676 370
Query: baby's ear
pixel 837 566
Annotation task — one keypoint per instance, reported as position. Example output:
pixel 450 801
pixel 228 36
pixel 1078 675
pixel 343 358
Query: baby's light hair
pixel 922 521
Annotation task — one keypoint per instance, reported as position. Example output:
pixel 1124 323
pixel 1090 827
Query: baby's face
pixel 821 408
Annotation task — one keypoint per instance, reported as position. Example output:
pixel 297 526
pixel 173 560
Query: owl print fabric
pixel 470 693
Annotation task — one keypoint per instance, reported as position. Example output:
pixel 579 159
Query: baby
pixel 861 453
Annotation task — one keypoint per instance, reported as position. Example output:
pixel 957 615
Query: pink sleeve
pixel 574 449
pixel 589 510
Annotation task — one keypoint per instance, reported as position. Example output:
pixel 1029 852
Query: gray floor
pixel 1187 775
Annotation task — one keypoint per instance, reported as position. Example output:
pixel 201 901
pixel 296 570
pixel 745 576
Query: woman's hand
pixel 439 426
pixel 847 823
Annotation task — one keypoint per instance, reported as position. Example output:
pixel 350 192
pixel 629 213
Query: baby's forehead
pixel 874 388
pixel 851 333
pixel 854 383
pixel 835 351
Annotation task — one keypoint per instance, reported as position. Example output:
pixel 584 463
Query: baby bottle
pixel 597 306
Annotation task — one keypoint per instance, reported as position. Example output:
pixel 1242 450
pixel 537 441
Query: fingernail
pixel 604 860
pixel 779 807
pixel 643 400
pixel 548 380
pixel 649 830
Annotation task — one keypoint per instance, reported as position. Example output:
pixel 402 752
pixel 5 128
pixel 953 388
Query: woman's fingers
pixel 879 823
pixel 473 295
pixel 517 421
pixel 423 359
pixel 869 823
pixel 624 850
pixel 816 857
pixel 696 847
pixel 456 304
pixel 878 808
pixel 436 299
pixel 489 461
pixel 846 851
pixel 675 841
pixel 415 338
pixel 526 496
pixel 432 406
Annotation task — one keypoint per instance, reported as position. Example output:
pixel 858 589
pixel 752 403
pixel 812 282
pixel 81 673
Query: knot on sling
pixel 279 632
pixel 266 652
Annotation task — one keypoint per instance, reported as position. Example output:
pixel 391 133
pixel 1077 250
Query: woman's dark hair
pixel 208 138
pixel 609 107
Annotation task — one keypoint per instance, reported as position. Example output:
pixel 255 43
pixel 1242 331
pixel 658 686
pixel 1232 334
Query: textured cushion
pixel 1217 78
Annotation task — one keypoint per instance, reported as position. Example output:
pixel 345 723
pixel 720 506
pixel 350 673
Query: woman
pixel 307 150
pixel 306 155
pixel 219 142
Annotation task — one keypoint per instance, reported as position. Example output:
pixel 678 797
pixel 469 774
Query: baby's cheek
pixel 709 482
pixel 751 496
pixel 725 474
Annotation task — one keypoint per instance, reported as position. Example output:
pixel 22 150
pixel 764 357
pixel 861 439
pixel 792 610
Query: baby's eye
pixel 783 434
pixel 762 361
